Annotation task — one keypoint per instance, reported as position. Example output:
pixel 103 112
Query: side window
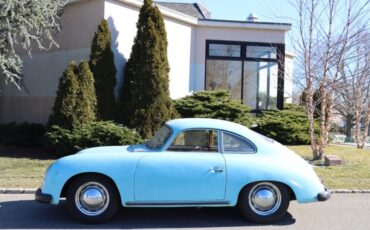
pixel 195 141
pixel 234 143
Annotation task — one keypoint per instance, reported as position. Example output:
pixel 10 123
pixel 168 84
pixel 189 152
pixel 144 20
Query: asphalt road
pixel 342 211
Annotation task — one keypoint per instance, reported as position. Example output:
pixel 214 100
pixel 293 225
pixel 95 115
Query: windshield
pixel 159 138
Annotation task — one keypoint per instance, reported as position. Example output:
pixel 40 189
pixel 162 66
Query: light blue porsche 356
pixel 188 163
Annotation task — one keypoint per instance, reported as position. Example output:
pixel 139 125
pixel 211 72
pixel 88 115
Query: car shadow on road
pixel 30 214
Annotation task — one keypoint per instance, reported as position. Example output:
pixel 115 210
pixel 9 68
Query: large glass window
pixel 251 77
pixel 195 141
pixel 260 84
pixel 225 74
pixel 265 52
pixel 224 50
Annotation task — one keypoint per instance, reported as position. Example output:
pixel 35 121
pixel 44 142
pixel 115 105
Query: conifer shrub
pixel 102 133
pixel 75 103
pixel 144 102
pixel 104 70
pixel 63 114
pixel 214 104
pixel 288 126
pixel 85 105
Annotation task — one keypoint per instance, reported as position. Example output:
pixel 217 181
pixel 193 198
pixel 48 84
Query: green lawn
pixel 22 171
pixel 19 171
pixel 353 174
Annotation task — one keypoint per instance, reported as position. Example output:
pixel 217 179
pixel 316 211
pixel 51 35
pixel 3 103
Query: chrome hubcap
pixel 264 198
pixel 92 198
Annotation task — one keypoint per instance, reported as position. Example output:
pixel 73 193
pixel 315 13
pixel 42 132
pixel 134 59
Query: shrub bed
pixel 214 104
pixel 102 133
pixel 288 126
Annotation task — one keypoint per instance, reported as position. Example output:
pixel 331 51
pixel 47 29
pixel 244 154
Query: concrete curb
pixel 17 190
pixel 33 190
pixel 351 190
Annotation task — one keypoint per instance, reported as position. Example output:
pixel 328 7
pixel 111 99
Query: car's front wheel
pixel 264 202
pixel 92 199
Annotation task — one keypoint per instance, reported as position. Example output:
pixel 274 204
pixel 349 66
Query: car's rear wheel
pixel 264 202
pixel 92 199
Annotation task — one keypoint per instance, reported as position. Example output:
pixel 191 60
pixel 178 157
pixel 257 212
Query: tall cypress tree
pixel 104 71
pixel 63 113
pixel 75 103
pixel 144 101
pixel 85 107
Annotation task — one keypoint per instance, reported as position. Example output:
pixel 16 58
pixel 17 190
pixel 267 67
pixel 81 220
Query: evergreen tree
pixel 63 113
pixel 25 25
pixel 104 71
pixel 144 101
pixel 85 106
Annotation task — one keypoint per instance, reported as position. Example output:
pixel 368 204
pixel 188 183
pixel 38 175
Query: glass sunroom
pixel 252 72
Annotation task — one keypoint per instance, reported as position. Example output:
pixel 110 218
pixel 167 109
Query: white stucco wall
pixel 181 39
pixel 122 20
pixel 288 74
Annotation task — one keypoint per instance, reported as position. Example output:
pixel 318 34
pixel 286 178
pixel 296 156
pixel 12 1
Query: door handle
pixel 216 170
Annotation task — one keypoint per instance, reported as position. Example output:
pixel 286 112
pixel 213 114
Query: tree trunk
pixel 310 114
pixel 356 133
pixel 328 112
pixel 349 125
pixel 366 129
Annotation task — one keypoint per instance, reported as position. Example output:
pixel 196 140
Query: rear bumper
pixel 42 197
pixel 323 196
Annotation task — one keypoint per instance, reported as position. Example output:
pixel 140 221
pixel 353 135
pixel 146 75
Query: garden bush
pixel 22 135
pixel 101 133
pixel 288 126
pixel 214 104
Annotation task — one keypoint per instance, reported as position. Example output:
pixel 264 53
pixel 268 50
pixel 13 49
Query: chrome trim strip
pixel 176 203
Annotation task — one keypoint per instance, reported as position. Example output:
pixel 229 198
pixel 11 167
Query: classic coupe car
pixel 188 163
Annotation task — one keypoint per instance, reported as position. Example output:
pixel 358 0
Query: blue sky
pixel 266 10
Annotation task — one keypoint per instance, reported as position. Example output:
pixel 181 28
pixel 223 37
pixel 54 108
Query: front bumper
pixel 323 196
pixel 42 197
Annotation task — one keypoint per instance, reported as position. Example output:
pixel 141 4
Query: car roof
pixel 208 123
pixel 259 140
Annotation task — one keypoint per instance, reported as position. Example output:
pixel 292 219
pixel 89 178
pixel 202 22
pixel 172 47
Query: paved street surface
pixel 342 211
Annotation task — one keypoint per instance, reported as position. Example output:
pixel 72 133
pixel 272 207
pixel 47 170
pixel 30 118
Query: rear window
pixel 236 144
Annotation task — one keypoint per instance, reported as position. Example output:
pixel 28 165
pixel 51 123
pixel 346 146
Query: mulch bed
pixel 28 152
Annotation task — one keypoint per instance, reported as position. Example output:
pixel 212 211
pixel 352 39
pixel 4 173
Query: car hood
pixel 106 149
pixel 97 154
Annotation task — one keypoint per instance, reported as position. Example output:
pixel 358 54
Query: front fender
pixel 60 173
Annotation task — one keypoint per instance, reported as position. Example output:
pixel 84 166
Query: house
pixel 246 57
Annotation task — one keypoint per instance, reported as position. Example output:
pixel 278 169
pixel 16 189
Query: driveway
pixel 342 211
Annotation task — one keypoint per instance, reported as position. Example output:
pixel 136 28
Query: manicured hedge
pixel 288 126
pixel 105 133
pixel 214 104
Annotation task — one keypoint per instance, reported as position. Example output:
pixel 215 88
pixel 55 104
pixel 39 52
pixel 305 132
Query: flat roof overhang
pixel 244 24
pixel 217 23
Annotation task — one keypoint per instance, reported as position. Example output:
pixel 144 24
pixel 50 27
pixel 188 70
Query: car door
pixel 192 170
